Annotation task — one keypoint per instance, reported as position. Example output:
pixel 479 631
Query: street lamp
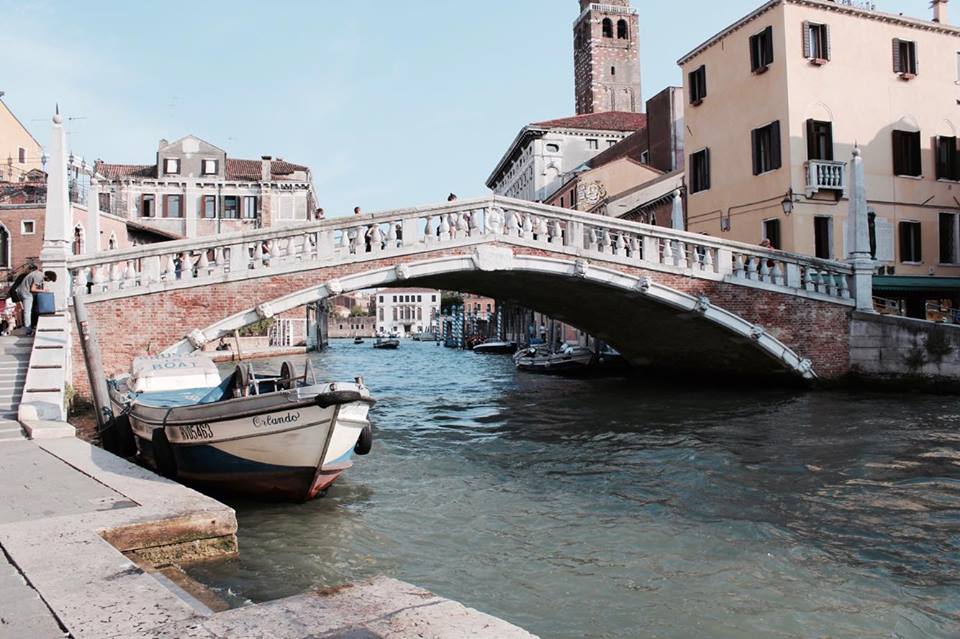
pixel 788 202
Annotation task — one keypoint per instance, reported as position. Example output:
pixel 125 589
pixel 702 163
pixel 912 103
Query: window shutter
pixel 807 40
pixel 703 82
pixel 754 59
pixel 898 168
pixel 904 242
pixel 828 126
pixel 775 145
pixel 884 240
pixel 939 156
pixel 896 55
pixel 692 79
pixel 915 166
pixel 956 160
pixel 812 140
pixel 706 162
pixel 754 140
pixel 825 30
pixel 768 46
pixel 916 60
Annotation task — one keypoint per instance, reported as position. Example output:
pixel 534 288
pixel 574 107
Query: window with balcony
pixel 698 85
pixel 766 148
pixel 700 171
pixel 771 231
pixel 819 140
pixel 948 167
pixel 905 58
pixel 761 50
pixel 173 206
pixel 816 42
pixel 171 166
pixel 910 243
pixel 906 153
pixel 949 239
pixel 823 237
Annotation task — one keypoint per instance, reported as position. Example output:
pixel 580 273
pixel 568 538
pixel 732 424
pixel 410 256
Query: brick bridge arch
pixel 665 298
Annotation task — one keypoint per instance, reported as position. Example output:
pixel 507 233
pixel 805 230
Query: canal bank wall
pixel 86 537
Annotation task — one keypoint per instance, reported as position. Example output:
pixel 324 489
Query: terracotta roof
pixel 236 169
pixel 250 169
pixel 113 171
pixel 606 121
pixel 631 147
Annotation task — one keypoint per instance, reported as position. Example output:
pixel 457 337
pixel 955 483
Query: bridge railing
pixel 424 229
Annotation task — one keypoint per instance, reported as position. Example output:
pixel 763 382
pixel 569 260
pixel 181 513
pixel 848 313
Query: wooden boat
pixel 570 360
pixel 387 343
pixel 358 340
pixel 495 346
pixel 284 437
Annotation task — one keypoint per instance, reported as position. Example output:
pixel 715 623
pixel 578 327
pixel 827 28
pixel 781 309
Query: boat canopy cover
pixel 161 373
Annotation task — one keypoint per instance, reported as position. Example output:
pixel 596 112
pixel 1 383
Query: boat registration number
pixel 195 431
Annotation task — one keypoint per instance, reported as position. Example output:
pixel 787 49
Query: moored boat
pixel 387 343
pixel 358 340
pixel 570 360
pixel 286 436
pixel 495 346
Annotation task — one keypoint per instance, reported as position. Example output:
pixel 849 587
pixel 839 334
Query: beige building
pixel 775 105
pixel 20 153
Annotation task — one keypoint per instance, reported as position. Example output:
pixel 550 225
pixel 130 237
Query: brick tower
pixel 606 57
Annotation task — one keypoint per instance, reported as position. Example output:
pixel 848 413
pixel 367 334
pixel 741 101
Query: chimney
pixel 163 143
pixel 940 11
pixel 265 162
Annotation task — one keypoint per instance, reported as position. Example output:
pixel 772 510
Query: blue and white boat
pixel 283 437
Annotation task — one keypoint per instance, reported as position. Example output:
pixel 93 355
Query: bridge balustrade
pixel 409 232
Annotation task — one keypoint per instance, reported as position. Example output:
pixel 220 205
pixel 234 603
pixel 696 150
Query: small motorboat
pixel 275 437
pixel 570 360
pixel 390 343
pixel 358 340
pixel 496 347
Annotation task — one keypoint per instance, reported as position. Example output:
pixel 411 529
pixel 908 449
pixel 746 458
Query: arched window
pixel 79 240
pixel 607 28
pixel 623 31
pixel 4 247
pixel 112 242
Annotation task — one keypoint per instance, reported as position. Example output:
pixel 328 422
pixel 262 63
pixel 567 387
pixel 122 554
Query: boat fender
pixel 163 454
pixel 325 400
pixel 364 442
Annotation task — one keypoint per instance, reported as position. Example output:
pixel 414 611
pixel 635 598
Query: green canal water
pixel 620 509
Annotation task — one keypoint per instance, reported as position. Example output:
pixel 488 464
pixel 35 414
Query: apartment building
pixel 194 189
pixel 406 311
pixel 20 153
pixel 777 101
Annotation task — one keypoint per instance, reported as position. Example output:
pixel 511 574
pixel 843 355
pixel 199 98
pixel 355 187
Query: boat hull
pixel 281 445
pixel 495 348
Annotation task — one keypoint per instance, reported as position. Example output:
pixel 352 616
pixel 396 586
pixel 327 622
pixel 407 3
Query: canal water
pixel 620 509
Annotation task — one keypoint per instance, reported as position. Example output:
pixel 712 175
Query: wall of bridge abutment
pixel 129 326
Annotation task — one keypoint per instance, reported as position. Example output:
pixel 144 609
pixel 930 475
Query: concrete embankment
pixel 85 537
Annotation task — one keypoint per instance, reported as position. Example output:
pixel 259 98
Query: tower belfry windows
pixel 606 57
pixel 623 31
pixel 607 28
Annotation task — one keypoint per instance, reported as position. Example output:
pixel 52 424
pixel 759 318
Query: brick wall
pixel 149 323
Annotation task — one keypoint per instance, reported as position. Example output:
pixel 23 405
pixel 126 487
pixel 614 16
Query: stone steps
pixel 14 363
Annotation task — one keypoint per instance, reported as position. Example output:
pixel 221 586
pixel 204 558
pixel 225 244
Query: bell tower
pixel 606 57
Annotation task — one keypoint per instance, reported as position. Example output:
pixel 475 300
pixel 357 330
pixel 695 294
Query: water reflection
pixel 617 508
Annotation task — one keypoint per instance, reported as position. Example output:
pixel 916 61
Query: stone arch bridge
pixel 666 299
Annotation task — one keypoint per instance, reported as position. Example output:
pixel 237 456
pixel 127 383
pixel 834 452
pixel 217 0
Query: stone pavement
pixel 83 532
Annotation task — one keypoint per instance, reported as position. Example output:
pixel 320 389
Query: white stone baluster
pixel 392 235
pixel 376 239
pixel 203 264
pixel 844 287
pixel 116 275
pixel 444 228
pixel 621 245
pixel 513 223
pixel 808 283
pixel 738 266
pixel 463 225
pixel 169 268
pixel 527 230
pixel 186 266
pixel 776 273
pixel 668 252
pixel 832 289
pixel 553 232
pixel 130 276
pixel 634 247
pixel 592 240
pixel 476 230
pixel 751 267
pixel 764 269
pixel 605 243
pixel 680 254
pixel 709 264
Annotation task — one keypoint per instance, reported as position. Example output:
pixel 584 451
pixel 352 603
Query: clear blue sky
pixel 391 103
